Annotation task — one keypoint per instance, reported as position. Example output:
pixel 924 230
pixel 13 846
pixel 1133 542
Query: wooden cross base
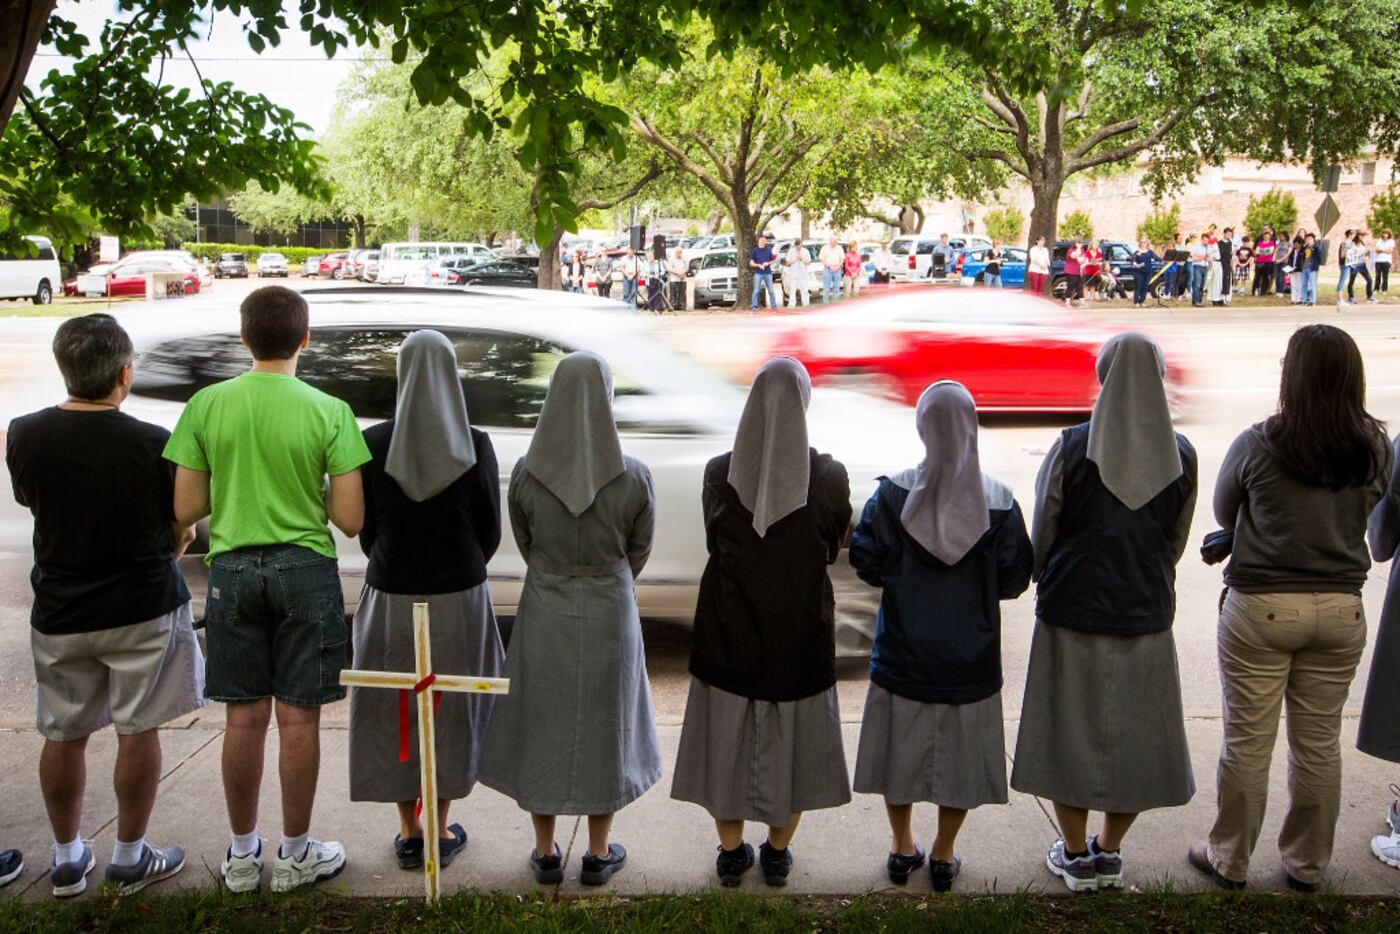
pixel 423 682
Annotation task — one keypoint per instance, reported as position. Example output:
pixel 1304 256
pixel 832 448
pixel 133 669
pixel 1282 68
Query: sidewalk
pixel 671 845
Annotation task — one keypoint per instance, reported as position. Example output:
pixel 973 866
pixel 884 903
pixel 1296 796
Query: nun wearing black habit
pixel 945 543
pixel 1101 720
pixel 761 740
pixel 432 522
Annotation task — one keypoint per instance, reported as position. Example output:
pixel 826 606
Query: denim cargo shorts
pixel 275 626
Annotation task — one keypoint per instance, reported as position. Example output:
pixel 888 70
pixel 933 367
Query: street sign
pixel 1332 178
pixel 1327 216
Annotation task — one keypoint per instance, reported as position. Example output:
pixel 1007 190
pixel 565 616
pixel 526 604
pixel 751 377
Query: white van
pixel 397 260
pixel 33 276
pixel 913 253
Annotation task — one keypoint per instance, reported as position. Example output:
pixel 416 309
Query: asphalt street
pixel 1233 356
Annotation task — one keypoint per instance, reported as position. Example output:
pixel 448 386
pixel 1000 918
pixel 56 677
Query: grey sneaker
pixel 1079 875
pixel 154 865
pixel 1108 867
pixel 243 873
pixel 70 879
pixel 11 866
pixel 320 861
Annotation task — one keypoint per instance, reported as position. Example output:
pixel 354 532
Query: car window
pixel 925 247
pixel 717 260
pixel 1014 254
pixel 1118 253
pixel 901 247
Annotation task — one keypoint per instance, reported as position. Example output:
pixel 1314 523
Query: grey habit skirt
pixel 1379 732
pixel 1101 722
pixel 465 641
pixel 951 754
pixel 743 759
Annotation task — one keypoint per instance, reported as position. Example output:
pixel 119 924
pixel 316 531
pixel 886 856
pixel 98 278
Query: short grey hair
pixel 91 351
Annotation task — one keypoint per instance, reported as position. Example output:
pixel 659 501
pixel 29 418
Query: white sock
pixel 128 854
pixel 244 844
pixel 68 852
pixel 293 847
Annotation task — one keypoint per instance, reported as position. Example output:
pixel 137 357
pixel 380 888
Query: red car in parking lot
pixel 129 278
pixel 1014 352
pixel 334 265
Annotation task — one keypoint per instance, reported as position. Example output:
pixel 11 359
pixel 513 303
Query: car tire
pixel 44 294
pixel 1060 288
pixel 338 273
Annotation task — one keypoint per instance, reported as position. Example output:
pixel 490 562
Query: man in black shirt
pixel 112 632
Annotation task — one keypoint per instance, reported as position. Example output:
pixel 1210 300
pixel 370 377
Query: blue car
pixel 972 264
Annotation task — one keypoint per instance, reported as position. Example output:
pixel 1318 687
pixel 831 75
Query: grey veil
pixel 1131 438
pixel 432 442
pixel 771 466
pixel 575 451
pixel 946 512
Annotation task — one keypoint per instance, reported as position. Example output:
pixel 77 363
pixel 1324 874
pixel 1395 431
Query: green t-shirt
pixel 268 442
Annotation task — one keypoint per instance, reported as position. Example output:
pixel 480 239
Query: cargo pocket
pixel 335 640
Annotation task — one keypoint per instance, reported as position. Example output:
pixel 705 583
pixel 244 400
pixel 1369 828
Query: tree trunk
pixel 806 224
pixel 715 222
pixel 1045 213
pixel 491 239
pixel 549 263
pixel 745 239
pixel 911 219
pixel 359 224
pixel 18 42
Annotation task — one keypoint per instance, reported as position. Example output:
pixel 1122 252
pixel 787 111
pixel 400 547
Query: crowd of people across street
pixel 273 463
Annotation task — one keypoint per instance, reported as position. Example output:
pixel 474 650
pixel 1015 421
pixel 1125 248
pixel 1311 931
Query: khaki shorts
pixel 136 677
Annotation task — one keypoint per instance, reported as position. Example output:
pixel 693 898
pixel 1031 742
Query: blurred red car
pixel 334 265
pixel 1013 352
pixel 129 278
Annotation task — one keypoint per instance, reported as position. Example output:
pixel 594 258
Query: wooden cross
pixel 424 683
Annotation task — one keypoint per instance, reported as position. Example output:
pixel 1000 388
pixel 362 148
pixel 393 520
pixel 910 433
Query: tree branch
pixel 677 155
pixel 997 155
pixel 763 225
pixel 994 127
pixel 1128 150
pixel 710 151
pixel 1103 134
pixel 597 204
pixel 794 157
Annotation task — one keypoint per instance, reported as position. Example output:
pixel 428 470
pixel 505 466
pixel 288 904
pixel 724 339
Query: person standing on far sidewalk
pixel 833 260
pixel 1385 252
pixel 853 268
pixel 112 631
pixel 761 262
pixel 1038 266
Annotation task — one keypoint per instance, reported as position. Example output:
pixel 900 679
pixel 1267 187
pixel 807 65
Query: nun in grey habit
pixel 432 522
pixel 1101 721
pixel 761 739
pixel 576 735
pixel 945 543
pixel 1379 732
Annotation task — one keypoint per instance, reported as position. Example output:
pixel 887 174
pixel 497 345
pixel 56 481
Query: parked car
pixel 176 257
pixel 439 272
pixel 913 254
pixel 1013 352
pixel 1117 256
pixel 971 266
pixel 129 278
pixel 368 269
pixel 231 266
pixel 501 272
pixel 333 266
pixel 271 265
pixel 31 274
pixel 311 266
pixel 671 413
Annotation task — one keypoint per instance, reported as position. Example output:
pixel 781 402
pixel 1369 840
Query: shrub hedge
pixel 295 254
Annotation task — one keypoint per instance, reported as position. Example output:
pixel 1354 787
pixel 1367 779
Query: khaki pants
pixel 1303 649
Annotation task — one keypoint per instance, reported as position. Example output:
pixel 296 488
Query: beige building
pixel 1118 203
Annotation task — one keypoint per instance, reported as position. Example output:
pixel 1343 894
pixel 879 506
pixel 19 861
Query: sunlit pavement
pixel 1234 357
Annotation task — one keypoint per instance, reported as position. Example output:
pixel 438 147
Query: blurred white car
pixel 673 414
pixel 272 265
pixel 438 272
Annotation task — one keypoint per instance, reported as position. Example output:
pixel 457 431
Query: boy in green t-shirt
pixel 253 454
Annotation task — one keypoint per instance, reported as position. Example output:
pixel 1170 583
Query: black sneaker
pixel 1298 885
pixel 732 864
pixel 409 853
pixel 154 865
pixel 450 846
pixel 599 869
pixel 901 867
pixel 776 864
pixel 549 870
pixel 1199 857
pixel 943 872
pixel 12 864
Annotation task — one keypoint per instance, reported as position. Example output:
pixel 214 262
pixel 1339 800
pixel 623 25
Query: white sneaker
pixel 320 861
pixel 1387 849
pixel 243 873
